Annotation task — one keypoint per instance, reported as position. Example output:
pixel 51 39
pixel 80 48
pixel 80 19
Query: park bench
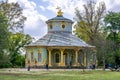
pixel 118 69
pixel 113 69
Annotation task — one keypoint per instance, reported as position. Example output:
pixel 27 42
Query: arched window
pixel 32 59
pixel 39 57
pixel 63 26
pixel 81 57
pixel 57 56
pixel 72 57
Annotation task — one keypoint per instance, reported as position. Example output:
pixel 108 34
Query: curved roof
pixel 60 38
pixel 59 18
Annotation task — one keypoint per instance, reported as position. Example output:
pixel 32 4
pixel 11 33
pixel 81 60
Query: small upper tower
pixel 59 23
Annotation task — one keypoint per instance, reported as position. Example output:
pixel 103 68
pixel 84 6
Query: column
pixel 96 63
pixel 31 58
pixel 49 52
pixel 85 59
pixel 62 63
pixel 76 57
pixel 26 59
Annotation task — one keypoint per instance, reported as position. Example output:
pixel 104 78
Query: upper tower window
pixel 51 27
pixel 63 25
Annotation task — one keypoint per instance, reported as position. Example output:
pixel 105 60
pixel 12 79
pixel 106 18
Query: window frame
pixel 57 57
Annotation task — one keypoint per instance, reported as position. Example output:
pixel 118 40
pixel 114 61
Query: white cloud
pixel 12 1
pixel 111 4
pixel 45 0
pixel 68 6
pixel 42 7
pixel 35 23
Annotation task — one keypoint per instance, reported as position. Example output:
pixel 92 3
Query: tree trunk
pixel 103 63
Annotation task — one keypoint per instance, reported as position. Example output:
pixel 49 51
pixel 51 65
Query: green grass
pixel 59 75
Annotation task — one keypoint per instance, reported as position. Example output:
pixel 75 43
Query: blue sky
pixel 39 11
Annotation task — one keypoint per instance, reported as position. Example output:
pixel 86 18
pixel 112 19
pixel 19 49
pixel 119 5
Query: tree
pixel 4 40
pixel 3 32
pixel 16 46
pixel 89 21
pixel 90 28
pixel 112 20
pixel 12 41
pixel 13 12
pixel 104 49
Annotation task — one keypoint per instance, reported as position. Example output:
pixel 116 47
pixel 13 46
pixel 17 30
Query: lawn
pixel 15 74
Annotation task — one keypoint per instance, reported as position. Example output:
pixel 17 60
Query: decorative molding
pixel 31 51
pixel 39 51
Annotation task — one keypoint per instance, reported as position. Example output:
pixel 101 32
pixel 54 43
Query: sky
pixel 39 11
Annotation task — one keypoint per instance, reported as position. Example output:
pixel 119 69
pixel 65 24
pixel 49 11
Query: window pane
pixel 57 58
pixel 39 57
pixel 32 60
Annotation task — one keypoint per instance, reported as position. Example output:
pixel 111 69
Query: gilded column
pixel 62 62
pixel 85 60
pixel 49 50
pixel 76 59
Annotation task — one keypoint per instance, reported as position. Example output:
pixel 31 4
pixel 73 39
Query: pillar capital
pixel 49 49
pixel 95 51
pixel 31 50
pixel 39 51
pixel 76 49
pixel 62 50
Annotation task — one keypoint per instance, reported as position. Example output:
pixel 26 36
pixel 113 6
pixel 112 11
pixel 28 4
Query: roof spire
pixel 59 13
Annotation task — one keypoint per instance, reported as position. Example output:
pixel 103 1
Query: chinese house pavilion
pixel 59 48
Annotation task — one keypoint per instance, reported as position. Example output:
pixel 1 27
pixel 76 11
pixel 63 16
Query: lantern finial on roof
pixel 59 13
